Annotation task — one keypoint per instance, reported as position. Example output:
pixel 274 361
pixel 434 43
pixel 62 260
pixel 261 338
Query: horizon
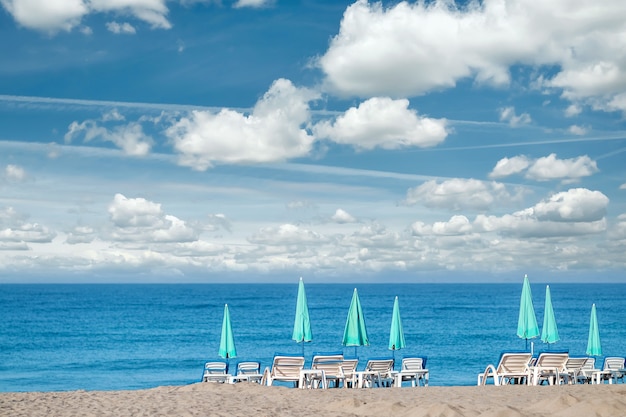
pixel 187 141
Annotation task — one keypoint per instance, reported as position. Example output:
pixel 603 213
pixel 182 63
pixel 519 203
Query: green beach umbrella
pixel 302 323
pixel 549 332
pixel 593 343
pixel 355 332
pixel 396 334
pixel 227 341
pixel 527 327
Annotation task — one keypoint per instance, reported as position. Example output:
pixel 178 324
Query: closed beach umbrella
pixel 302 323
pixel 527 327
pixel 355 332
pixel 396 334
pixel 593 343
pixel 227 341
pixel 549 331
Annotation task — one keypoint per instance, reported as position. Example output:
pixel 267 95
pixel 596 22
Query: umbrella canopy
pixel 549 332
pixel 302 323
pixel 227 341
pixel 355 333
pixel 593 343
pixel 527 327
pixel 396 334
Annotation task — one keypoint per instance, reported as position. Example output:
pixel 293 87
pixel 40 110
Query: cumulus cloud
pixel 457 225
pixel 573 110
pixel 63 15
pixel 252 3
pixel 413 48
pixel 509 166
pixel 14 173
pixel 457 194
pixel 141 220
pixel 286 234
pixel 623 186
pixel 17 232
pixel 508 115
pixel 385 123
pixel 80 234
pixel 546 168
pixel 578 130
pixel 129 137
pixel 121 28
pixel 577 211
pixel 274 131
pixel 342 216
pixel 551 168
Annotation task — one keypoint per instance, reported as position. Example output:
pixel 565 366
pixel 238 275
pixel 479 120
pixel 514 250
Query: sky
pixel 261 141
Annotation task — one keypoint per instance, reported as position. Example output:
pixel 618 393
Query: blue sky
pixel 251 140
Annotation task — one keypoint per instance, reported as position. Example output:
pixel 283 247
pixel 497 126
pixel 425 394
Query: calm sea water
pixel 105 337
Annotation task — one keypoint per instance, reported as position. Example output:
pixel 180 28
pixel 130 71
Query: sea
pixel 123 336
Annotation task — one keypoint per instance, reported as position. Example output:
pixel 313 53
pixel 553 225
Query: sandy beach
pixel 207 399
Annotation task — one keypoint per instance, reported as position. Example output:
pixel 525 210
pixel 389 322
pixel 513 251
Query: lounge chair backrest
pixel 589 365
pixel 575 364
pixel 349 365
pixel 613 364
pixel 513 362
pixel 331 364
pixel 379 365
pixel 248 368
pixel 215 368
pixel 552 360
pixel 287 367
pixel 412 364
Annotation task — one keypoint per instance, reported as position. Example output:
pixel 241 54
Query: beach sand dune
pixel 206 399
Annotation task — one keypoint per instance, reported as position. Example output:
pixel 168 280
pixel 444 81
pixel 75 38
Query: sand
pixel 244 399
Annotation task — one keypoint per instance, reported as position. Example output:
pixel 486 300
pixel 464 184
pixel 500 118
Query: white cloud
pixel 551 168
pixel 141 220
pixel 507 114
pixel 509 166
pixel 573 110
pixel 412 48
pixel 457 194
pixel 14 173
pixel 274 131
pixel 121 28
pixel 81 234
pixel 252 3
pixel 47 15
pixel 578 211
pixel 286 234
pixel 342 216
pixel 623 186
pixel 457 225
pixel 63 15
pixel 578 130
pixel 129 137
pixel 385 123
pixel 15 229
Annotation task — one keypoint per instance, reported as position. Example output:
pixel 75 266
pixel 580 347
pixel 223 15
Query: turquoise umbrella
pixel 302 323
pixel 549 332
pixel 593 343
pixel 396 334
pixel 355 332
pixel 227 341
pixel 527 327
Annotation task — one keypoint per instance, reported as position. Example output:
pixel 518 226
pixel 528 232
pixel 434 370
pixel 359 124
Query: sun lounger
pixel 550 366
pixel 587 372
pixel 249 371
pixel 216 371
pixel 413 370
pixel 330 370
pixel 348 368
pixel 612 371
pixel 573 369
pixel 377 372
pixel 285 367
pixel 512 368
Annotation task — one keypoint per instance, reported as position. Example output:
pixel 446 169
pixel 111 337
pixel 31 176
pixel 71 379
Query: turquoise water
pixel 105 337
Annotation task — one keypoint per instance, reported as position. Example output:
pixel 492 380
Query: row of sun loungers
pixel 552 368
pixel 327 370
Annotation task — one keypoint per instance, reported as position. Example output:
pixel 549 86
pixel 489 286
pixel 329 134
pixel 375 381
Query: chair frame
pixel 512 368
